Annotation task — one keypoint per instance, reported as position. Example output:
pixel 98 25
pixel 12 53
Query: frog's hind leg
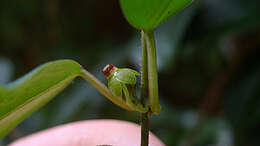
pixel 133 101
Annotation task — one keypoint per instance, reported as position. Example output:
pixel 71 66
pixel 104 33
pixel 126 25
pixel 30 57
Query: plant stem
pixel 144 94
pixel 152 72
pixel 144 71
pixel 145 129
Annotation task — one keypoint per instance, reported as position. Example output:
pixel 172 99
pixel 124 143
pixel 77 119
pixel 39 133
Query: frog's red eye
pixel 108 69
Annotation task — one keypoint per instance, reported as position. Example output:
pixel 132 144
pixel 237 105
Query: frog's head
pixel 108 70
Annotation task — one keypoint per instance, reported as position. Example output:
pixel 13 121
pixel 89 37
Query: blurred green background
pixel 208 61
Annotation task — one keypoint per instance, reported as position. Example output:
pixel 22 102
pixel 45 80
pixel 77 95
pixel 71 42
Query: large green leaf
pixel 22 97
pixel 147 14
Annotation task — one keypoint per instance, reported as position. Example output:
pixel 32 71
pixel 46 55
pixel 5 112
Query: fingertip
pixel 89 133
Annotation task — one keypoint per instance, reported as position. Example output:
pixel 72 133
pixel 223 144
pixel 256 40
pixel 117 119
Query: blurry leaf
pixel 19 99
pixel 147 14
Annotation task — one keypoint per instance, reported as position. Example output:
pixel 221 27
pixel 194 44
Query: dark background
pixel 208 61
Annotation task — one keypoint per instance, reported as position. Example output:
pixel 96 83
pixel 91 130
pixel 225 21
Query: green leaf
pixel 147 14
pixel 22 97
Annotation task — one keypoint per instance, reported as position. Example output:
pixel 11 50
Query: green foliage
pixel 22 97
pixel 147 14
